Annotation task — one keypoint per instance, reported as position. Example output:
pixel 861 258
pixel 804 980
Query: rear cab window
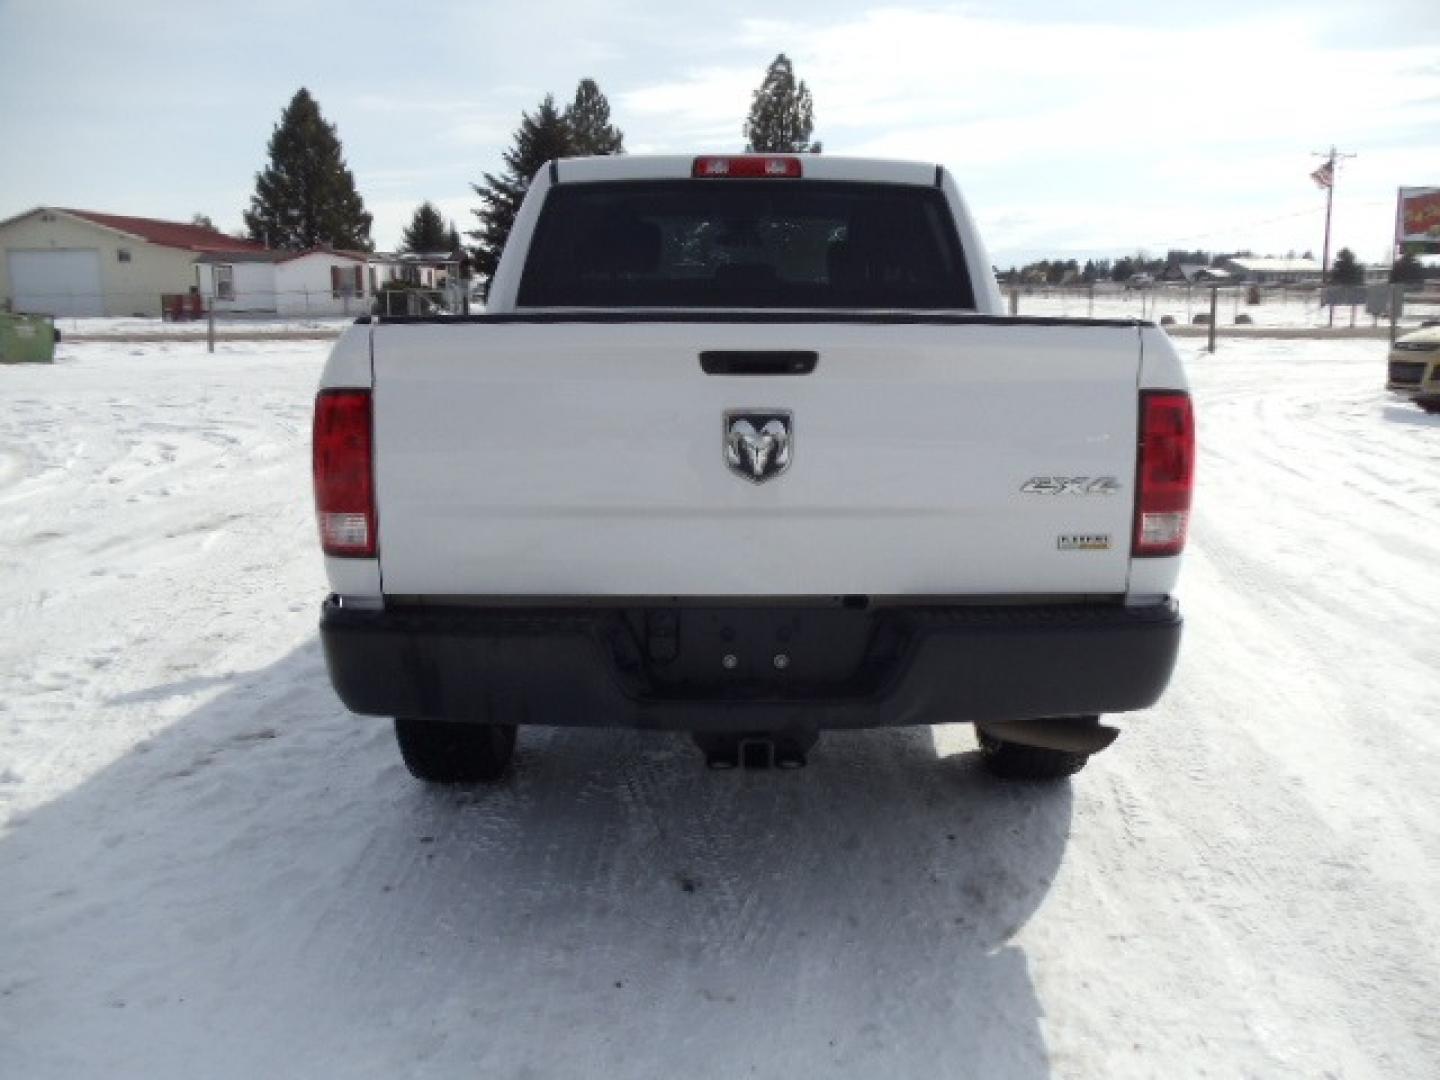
pixel 735 243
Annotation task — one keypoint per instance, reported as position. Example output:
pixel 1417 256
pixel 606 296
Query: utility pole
pixel 1324 176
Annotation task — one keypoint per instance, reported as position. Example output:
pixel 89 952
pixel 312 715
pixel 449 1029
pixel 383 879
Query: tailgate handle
pixel 763 362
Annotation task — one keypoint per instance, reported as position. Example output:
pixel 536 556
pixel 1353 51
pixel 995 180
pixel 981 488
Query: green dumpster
pixel 27 337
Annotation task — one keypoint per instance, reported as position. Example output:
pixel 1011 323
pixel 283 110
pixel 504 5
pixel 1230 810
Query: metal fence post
pixel 210 327
pixel 1214 305
pixel 1396 292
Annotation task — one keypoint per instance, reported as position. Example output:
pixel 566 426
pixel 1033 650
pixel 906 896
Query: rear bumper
pixel 665 667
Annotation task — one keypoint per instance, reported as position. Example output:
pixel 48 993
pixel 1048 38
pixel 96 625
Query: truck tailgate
pixel 588 458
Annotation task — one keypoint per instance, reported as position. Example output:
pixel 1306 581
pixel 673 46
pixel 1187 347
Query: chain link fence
pixel 1186 310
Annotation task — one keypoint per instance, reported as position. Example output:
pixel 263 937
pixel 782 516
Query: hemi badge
pixel 1083 542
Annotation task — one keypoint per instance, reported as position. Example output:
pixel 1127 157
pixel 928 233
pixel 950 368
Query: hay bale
pixel 1203 319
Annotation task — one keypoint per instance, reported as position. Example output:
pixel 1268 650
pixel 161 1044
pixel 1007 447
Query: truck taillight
pixel 344 473
pixel 1166 473
pixel 749 166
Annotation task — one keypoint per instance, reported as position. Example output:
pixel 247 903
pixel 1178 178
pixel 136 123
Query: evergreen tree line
pixel 1346 269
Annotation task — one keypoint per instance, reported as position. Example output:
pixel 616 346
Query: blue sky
pixel 1074 128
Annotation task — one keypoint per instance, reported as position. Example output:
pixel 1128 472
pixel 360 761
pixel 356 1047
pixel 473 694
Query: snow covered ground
pixel 256 325
pixel 207 868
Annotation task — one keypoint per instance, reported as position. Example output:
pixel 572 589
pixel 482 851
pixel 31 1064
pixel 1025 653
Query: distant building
pixel 58 261
pixel 322 281
pixel 1267 271
pixel 1195 274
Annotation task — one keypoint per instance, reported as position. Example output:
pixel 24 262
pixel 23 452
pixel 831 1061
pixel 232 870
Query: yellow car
pixel 1415 368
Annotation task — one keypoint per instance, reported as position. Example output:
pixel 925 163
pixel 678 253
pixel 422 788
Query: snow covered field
pixel 1277 309
pixel 208 869
pixel 253 325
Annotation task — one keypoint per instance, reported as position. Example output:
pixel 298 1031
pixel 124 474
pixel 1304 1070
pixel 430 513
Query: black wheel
pixel 443 752
pixel 1013 761
pixel 1430 406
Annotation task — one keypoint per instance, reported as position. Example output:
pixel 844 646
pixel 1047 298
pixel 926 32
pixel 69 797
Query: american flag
pixel 1325 175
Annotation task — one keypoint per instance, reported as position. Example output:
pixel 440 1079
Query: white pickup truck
pixel 745 447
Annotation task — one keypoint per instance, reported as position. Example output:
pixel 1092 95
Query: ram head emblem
pixel 758 444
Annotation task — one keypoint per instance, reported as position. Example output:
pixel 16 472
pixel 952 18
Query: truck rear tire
pixel 1013 761
pixel 441 752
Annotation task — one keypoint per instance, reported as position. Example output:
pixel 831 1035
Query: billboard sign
pixel 1417 221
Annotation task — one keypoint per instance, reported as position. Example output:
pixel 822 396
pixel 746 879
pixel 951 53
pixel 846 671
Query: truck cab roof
pixel 682 166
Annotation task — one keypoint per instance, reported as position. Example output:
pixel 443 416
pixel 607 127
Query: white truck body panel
pixel 571 459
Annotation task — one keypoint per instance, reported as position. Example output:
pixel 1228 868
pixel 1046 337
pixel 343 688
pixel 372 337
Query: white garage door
pixel 65 281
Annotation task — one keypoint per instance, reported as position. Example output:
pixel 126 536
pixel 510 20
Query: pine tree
pixel 1347 270
pixel 1407 270
pixel 202 221
pixel 426 231
pixel 589 119
pixel 782 115
pixel 306 196
pixel 452 242
pixel 540 138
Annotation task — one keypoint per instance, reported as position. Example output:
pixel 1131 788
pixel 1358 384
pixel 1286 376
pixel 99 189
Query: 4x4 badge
pixel 1071 485
pixel 758 443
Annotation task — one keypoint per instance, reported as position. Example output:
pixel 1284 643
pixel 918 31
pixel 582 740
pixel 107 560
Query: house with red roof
pixel 82 262
pixel 60 261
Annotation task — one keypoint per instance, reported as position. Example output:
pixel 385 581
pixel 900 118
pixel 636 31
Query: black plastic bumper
pixel 716 669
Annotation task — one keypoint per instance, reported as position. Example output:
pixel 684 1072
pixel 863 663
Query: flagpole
pixel 1329 203
pixel 1329 170
pixel 1325 253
